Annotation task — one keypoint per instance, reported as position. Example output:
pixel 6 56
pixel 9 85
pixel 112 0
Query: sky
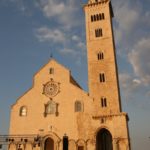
pixel 32 31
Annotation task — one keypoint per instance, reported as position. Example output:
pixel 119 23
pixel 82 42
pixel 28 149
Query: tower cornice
pixel 90 3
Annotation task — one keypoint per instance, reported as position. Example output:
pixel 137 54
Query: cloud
pixel 126 15
pixel 75 54
pixel 131 24
pixel 75 38
pixel 136 81
pixel 139 58
pixel 50 35
pixel 69 45
pixel 132 87
pixel 67 51
pixel 52 8
pixel 126 21
pixel 65 12
pixel 79 43
pixel 128 82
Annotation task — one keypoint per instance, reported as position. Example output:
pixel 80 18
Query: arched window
pixel 92 18
pixel 78 106
pixel 23 111
pixel 51 71
pixel 103 16
pixel 50 107
pixel 100 16
pixel 100 56
pixel 97 17
pixel 98 32
pixel 102 77
pixel 103 102
pixel 104 140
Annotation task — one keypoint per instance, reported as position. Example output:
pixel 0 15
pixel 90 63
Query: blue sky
pixel 30 31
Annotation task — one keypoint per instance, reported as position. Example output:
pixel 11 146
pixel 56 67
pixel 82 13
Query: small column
pixel 12 146
pixel 58 145
pixel 16 146
pixel 9 146
pixel 115 144
pixel 32 145
pixel 85 145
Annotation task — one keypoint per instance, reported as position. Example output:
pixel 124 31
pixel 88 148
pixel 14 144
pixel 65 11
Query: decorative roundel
pixel 51 88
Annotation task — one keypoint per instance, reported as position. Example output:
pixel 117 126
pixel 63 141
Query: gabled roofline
pixel 52 59
pixel 72 80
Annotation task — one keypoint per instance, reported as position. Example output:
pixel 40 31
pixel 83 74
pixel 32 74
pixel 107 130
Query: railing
pixel 20 140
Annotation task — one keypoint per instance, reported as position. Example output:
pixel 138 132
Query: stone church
pixel 57 114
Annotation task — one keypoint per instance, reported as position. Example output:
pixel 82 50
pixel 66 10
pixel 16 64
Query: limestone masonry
pixel 56 113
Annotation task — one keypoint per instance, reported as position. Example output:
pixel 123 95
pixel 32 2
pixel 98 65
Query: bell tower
pixel 102 69
pixel 103 77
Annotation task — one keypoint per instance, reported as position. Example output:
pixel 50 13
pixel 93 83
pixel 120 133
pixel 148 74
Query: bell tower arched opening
pixel 104 140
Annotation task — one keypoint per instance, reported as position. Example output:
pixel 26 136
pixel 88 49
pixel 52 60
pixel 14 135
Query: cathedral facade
pixel 56 113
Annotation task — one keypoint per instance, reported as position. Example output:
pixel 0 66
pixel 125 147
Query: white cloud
pixel 126 14
pixel 136 81
pixel 50 35
pixel 71 46
pixel 51 8
pixel 131 26
pixel 130 85
pixel 75 38
pixel 129 23
pixel 79 43
pixel 67 51
pixel 127 18
pixel 139 58
pixel 64 12
pixel 128 81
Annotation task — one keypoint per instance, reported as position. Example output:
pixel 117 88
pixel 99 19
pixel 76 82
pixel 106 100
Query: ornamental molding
pixel 110 115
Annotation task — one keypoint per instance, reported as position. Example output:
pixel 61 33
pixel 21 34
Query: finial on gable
pixel 51 55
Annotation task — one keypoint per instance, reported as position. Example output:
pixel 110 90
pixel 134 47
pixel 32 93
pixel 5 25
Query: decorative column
pixel 115 144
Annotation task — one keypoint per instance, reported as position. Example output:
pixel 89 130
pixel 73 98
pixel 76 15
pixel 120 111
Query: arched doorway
pixel 49 144
pixel 104 140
